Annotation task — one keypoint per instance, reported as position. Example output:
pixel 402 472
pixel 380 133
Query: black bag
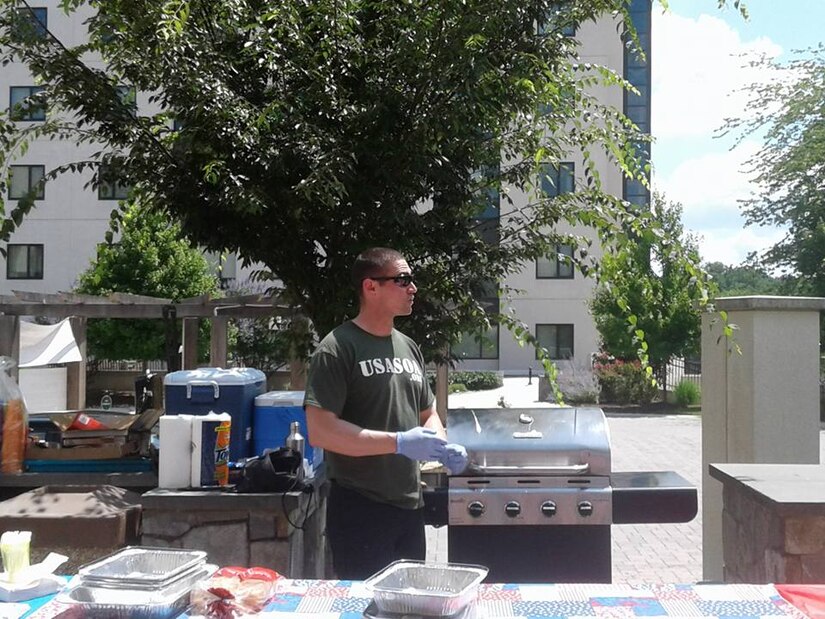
pixel 276 470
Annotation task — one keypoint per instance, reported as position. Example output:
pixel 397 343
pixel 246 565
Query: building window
pixel 558 180
pixel 557 265
pixel 559 20
pixel 25 178
pixel 482 343
pixel 24 261
pixel 637 106
pixel 557 339
pixel 128 97
pixel 478 345
pixel 30 22
pixel 110 188
pixel 224 266
pixel 20 109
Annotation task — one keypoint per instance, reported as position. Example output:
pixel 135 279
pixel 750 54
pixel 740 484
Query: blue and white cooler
pixel 274 411
pixel 218 390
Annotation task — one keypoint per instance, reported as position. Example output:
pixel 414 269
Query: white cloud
pixel 709 188
pixel 698 73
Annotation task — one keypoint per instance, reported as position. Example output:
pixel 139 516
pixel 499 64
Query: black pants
pixel 366 536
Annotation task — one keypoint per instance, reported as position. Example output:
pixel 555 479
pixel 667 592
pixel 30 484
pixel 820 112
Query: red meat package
pixel 234 592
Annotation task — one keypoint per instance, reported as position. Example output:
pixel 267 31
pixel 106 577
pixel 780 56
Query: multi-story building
pixel 58 240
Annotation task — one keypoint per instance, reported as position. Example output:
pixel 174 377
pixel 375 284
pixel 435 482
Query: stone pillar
pixel 760 406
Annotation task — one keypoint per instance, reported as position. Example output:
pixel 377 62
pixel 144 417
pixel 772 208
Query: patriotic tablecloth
pixel 318 599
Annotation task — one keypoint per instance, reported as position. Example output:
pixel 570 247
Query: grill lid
pixel 532 441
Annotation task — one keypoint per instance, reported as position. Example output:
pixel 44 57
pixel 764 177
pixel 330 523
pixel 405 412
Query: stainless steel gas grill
pixel 538 499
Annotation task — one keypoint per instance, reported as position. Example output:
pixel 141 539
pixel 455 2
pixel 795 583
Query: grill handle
pixel 570 469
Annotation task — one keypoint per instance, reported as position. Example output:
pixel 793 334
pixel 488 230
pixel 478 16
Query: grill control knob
pixel 585 508
pixel 476 509
pixel 548 508
pixel 512 509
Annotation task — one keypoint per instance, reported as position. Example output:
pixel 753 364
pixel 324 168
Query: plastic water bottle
pixel 295 440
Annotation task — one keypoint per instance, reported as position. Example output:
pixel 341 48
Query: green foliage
pixel 746 279
pixel 648 302
pixel 456 388
pixel 624 382
pixel 262 343
pixel 786 108
pixel 687 393
pixel 477 381
pixel 150 258
pixel 470 381
pixel 308 131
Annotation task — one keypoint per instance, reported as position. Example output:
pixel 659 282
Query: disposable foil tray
pixel 418 588
pixel 90 602
pixel 142 567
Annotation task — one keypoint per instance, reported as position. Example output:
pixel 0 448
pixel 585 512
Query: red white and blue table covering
pixel 323 599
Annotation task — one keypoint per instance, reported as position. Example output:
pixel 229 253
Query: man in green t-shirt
pixel 369 406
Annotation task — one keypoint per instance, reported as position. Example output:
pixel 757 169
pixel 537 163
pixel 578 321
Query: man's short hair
pixel 372 263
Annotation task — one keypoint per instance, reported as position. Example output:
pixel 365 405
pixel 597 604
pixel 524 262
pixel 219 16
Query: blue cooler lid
pixel 224 377
pixel 280 398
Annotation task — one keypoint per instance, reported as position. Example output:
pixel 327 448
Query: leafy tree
pixel 151 258
pixel 745 279
pixel 262 343
pixel 307 131
pixel 649 283
pixel 789 110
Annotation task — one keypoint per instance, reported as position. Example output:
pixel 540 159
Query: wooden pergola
pixel 79 308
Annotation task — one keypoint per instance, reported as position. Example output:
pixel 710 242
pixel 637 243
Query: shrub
pixel 471 381
pixel 687 393
pixel 624 382
pixel 477 381
pixel 456 388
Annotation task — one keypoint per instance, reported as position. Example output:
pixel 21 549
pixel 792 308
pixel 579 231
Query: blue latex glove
pixel 420 444
pixel 455 458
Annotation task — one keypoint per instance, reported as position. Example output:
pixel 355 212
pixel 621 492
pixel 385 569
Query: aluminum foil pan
pixel 91 602
pixel 418 588
pixel 142 567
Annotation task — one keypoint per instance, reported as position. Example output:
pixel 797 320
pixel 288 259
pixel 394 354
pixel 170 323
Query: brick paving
pixel 651 553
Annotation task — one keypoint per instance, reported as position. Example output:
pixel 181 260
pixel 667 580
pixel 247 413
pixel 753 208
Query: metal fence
pixel 125 365
pixel 679 369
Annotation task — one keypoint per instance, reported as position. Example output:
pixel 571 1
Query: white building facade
pixel 59 238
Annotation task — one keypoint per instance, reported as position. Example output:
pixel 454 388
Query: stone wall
pixel 765 542
pixel 255 531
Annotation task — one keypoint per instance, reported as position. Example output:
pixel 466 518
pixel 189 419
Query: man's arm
pixel 430 419
pixel 332 433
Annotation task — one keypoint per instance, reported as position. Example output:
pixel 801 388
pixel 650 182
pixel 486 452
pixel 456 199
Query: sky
pixel 697 76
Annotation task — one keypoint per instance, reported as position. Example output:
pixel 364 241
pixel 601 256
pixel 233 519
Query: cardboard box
pixel 100 452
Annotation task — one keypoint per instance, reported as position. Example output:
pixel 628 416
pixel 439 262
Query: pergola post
pixel 217 341
pixel 76 371
pixel 190 344
pixel 441 390
pixel 10 340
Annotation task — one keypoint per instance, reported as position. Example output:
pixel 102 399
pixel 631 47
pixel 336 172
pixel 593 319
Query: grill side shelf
pixel 647 497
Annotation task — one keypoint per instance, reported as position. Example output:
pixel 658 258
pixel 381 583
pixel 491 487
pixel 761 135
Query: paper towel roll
pixel 210 449
pixel 175 461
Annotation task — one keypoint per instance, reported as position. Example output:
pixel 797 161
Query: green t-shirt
pixel 377 383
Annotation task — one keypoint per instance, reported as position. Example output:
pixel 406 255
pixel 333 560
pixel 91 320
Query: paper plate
pixel 20 592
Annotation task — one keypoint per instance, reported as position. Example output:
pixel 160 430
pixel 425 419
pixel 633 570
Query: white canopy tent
pixel 47 344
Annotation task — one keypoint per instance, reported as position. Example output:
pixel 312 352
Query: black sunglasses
pixel 402 280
